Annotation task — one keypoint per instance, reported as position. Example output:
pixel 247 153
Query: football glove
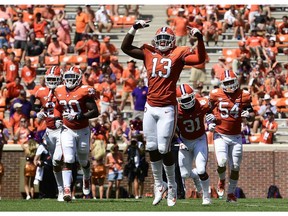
pixel 182 146
pixel 211 127
pixel 210 117
pixel 139 24
pixel 245 114
pixel 41 115
pixel 69 116
pixel 58 123
pixel 194 32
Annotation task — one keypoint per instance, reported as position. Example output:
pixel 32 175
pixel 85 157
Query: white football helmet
pixel 164 39
pixel 229 81
pixel 53 77
pixel 185 96
pixel 72 77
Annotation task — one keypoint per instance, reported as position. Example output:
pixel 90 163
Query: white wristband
pixel 132 31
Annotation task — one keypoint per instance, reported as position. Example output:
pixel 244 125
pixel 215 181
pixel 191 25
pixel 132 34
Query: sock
pixel 232 186
pixel 157 172
pixel 205 188
pixel 170 174
pixel 222 175
pixel 86 172
pixel 67 178
pixel 59 180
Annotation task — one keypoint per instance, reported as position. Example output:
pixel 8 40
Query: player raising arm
pixel 164 62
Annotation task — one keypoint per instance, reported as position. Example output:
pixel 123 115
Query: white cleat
pixel 28 197
pixel 86 186
pixel 60 196
pixel 172 195
pixel 206 201
pixel 158 193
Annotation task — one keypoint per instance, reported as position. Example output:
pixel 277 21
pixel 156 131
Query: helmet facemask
pixel 164 42
pixel 230 85
pixel 71 79
pixel 186 101
pixel 52 81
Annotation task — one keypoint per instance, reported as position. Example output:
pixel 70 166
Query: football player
pixel 164 62
pixel 75 105
pixel 45 96
pixel 192 136
pixel 229 104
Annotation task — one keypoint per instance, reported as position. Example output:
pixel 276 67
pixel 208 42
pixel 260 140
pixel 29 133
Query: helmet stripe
pixel 227 74
pixel 182 88
pixel 52 70
pixel 164 29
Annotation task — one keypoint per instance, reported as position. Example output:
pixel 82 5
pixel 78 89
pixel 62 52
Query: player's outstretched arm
pixel 199 58
pixel 127 46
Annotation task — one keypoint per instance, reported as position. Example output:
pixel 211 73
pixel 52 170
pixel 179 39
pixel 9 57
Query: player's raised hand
pixel 139 24
pixel 194 32
pixel 41 115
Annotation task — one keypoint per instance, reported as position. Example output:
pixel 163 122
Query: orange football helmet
pixel 164 39
pixel 53 77
pixel 72 77
pixel 229 81
pixel 185 96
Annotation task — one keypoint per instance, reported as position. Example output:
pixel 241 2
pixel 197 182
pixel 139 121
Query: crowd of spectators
pixel 30 31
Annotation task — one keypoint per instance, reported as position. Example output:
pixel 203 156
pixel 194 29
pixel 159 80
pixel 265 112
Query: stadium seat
pixel 73 59
pixel 117 21
pixel 254 138
pixel 34 60
pixel 230 54
pixel 51 60
pixel 18 53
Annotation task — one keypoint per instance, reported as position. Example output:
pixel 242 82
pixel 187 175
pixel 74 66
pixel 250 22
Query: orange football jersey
pixel 227 109
pixel 191 122
pixel 73 101
pixel 267 137
pixel 47 100
pixel 163 72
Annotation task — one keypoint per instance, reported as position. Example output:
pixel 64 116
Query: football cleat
pixel 221 188
pixel 229 81
pixel 231 198
pixel 28 197
pixel 67 194
pixel 158 193
pixel 164 39
pixel 206 201
pixel 86 186
pixel 172 195
pixel 185 96
pixel 60 196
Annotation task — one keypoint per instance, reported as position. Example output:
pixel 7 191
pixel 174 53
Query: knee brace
pixel 234 175
pixel 221 169
pixel 67 166
pixel 57 163
pixel 204 176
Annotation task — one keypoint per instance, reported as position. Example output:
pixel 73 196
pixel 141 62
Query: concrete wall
pixel 261 167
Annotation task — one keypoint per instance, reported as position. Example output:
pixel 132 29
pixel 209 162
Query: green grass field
pixel 143 205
